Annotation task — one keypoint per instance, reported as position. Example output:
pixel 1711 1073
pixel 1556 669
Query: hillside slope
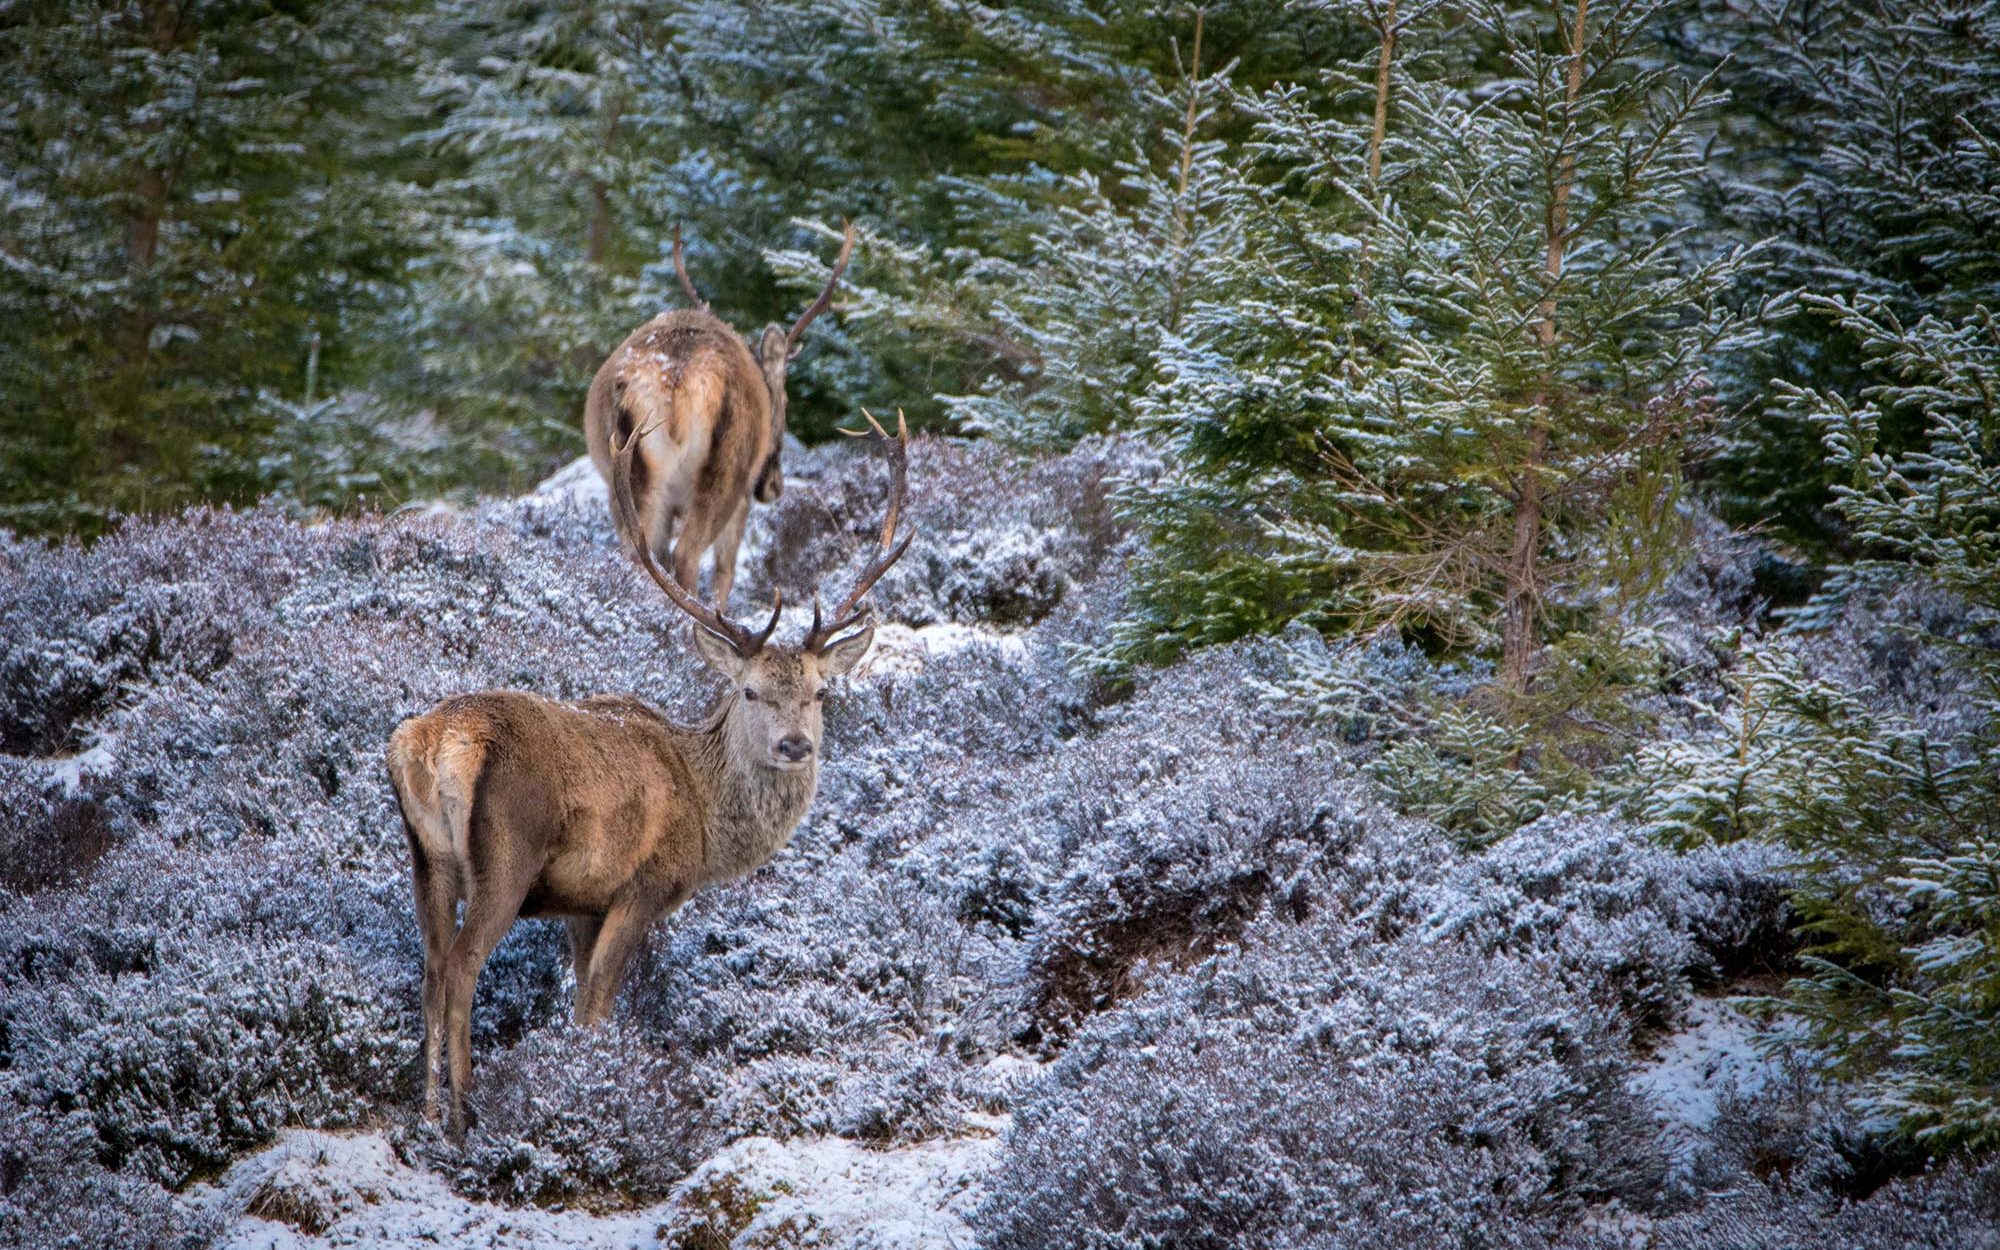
pixel 1050 963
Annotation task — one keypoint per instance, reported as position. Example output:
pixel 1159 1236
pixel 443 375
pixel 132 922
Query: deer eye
pixel 819 694
pixel 749 695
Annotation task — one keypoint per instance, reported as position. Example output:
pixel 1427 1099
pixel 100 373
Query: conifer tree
pixel 1110 275
pixel 193 190
pixel 525 281
pixel 1892 826
pixel 1453 391
pixel 1859 142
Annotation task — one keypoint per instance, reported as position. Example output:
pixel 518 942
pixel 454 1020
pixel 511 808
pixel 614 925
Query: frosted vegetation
pixel 1252 1003
pixel 1446 695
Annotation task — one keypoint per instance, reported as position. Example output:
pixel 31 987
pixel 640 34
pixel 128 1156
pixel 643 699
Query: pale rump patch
pixel 671 393
pixel 435 770
pixel 458 761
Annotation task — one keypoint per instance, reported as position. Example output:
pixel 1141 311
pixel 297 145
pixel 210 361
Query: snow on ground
pixel 324 1189
pixel 578 480
pixel 1713 1054
pixel 96 761
pixel 315 1189
pixel 833 1192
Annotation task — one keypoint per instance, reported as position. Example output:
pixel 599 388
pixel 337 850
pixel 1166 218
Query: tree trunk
pixel 151 189
pixel 1183 227
pixel 597 237
pixel 1523 597
pixel 1382 97
pixel 1366 264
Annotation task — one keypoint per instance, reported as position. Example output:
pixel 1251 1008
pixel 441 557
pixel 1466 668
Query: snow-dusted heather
pixel 1225 994
pixel 314 1188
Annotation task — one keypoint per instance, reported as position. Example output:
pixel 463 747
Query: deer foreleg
pixel 583 932
pixel 625 927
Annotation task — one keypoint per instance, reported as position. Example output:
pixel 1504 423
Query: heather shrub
pixel 837 999
pixel 1317 1087
pixel 998 539
pixel 1954 1208
pixel 599 1116
pixel 1173 862
pixel 208 1053
pixel 48 836
pixel 56 1193
pixel 79 627
pixel 1612 912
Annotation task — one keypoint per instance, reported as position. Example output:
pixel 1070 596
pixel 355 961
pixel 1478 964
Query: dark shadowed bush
pixel 1955 1208
pixel 568 1115
pixel 56 1193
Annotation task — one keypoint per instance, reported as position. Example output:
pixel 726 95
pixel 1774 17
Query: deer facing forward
pixel 603 812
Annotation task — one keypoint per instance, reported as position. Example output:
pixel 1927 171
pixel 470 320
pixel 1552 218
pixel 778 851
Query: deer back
pixel 582 797
pixel 691 381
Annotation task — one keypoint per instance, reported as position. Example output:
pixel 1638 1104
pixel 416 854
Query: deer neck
pixel 753 808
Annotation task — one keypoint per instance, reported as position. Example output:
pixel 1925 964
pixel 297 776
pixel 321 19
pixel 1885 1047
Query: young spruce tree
pixel 1895 828
pixel 1859 142
pixel 1455 385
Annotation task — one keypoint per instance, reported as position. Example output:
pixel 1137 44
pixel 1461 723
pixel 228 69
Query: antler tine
pixel 850 613
pixel 825 299
pixel 625 511
pixel 680 267
pixel 763 635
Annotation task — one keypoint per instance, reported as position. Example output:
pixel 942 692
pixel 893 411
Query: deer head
pixel 778 687
pixel 774 350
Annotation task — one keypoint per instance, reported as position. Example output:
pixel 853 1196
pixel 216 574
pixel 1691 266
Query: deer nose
pixel 794 747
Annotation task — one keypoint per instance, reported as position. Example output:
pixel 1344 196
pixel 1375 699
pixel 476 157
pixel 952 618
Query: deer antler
pixel 850 613
pixel 632 530
pixel 680 267
pixel 819 305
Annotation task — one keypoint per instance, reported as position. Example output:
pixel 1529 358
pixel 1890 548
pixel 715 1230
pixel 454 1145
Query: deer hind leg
pixel 704 522
pixel 436 889
pixel 726 544
pixel 489 913
pixel 494 891
pixel 583 932
pixel 625 927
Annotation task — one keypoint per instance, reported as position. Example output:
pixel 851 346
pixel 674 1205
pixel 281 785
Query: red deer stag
pixel 714 413
pixel 602 811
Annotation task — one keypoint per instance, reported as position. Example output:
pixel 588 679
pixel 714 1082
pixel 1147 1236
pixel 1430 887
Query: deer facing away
pixel 713 416
pixel 603 812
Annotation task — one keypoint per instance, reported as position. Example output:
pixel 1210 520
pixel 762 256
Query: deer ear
pixel 717 652
pixel 845 654
pixel 773 351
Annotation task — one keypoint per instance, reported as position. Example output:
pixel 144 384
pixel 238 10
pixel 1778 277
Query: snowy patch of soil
pixel 1711 1058
pixel 832 1192
pixel 316 1189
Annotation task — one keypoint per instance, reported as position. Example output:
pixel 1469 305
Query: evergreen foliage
pixel 1452 396
pixel 193 191
pixel 1891 819
pixel 1861 142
